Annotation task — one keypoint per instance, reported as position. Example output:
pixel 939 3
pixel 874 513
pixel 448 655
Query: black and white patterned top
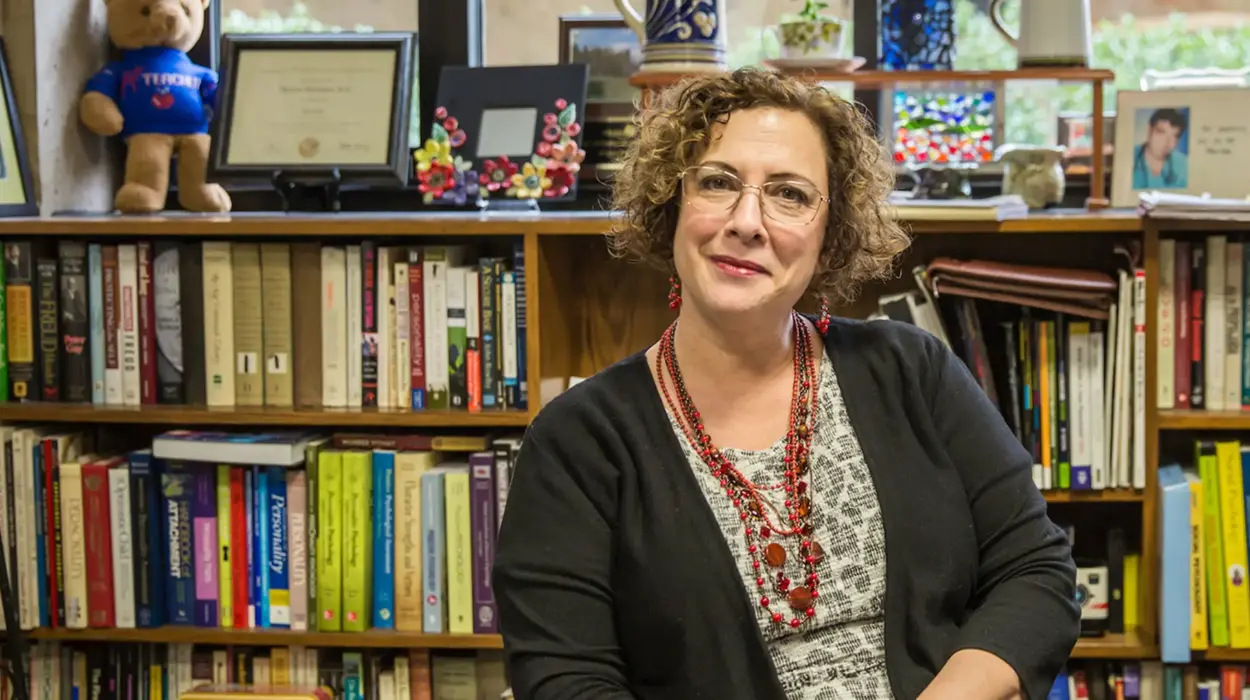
pixel 842 655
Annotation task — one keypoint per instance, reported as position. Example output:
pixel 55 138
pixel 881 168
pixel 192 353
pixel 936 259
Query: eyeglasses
pixel 790 202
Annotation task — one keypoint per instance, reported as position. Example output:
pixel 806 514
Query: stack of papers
pixel 1010 206
pixel 1166 205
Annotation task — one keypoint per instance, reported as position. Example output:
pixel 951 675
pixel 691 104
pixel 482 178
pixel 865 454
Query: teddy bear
pixel 159 101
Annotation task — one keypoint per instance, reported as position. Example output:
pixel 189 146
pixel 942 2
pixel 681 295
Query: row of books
pixel 1149 680
pixel 156 671
pixel 234 323
pixel 341 532
pixel 1068 378
pixel 1204 593
pixel 1203 354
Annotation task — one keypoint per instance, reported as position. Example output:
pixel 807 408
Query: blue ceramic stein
pixel 679 36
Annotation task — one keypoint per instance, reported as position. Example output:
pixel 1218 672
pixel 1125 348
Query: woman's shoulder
pixel 606 402
pixel 885 344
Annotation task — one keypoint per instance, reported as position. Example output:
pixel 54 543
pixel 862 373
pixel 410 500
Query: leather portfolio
pixel 1080 292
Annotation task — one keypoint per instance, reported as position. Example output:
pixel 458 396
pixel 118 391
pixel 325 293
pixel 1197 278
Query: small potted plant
pixel 811 35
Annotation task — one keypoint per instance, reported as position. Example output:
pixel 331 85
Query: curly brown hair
pixel 861 242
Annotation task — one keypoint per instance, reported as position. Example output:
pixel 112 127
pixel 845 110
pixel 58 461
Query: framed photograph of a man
pixel 1181 141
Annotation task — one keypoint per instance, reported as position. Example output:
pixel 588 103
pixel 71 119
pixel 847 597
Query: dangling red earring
pixel 822 324
pixel 674 292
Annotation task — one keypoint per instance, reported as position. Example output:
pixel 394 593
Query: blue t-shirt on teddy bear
pixel 159 91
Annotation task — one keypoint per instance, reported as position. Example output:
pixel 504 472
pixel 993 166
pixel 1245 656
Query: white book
pixel 1097 425
pixel 73 546
pixel 403 350
pixel 437 380
pixel 219 359
pixel 334 341
pixel 1165 319
pixel 1111 373
pixel 122 549
pixel 354 295
pixel 508 346
pixel 1213 336
pixel 1232 325
pixel 1079 411
pixel 128 322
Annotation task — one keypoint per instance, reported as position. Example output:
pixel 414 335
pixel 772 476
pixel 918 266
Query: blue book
pixel 384 539
pixel 41 540
pixel 433 552
pixel 1174 548
pixel 95 297
pixel 277 574
pixel 177 487
pixel 148 526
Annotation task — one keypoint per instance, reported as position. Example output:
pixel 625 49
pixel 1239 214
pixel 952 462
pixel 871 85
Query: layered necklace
pixel 771 543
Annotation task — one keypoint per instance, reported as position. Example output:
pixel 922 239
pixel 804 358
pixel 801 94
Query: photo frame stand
pixel 306 191
pixel 508 206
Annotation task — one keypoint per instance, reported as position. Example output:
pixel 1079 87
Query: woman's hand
pixel 972 674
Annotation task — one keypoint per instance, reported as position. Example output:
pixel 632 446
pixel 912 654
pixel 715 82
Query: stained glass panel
pixel 917 34
pixel 943 127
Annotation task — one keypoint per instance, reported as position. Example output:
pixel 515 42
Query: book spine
pixel 522 327
pixel 357 532
pixel 248 323
pixel 56 533
pixel 167 315
pixel 128 322
pixel 312 466
pixel 149 578
pixel 482 520
pixel 73 547
pixel 49 330
pixel 369 324
pixel 416 329
pixel 354 307
pixel 97 538
pixel 508 349
pixel 330 541
pixel 277 577
pixel 239 585
pixel 434 552
pixel 297 538
pixel 275 265
pixel 488 333
pixel 75 332
pixel 218 323
pixel 20 320
pixel 123 545
pixel 112 325
pixel 383 521
pixel 459 551
pixel 225 544
pixel 149 384
pixel 204 540
pixel 180 576
pixel 95 296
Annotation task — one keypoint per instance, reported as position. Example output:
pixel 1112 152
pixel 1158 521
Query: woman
pixel 761 505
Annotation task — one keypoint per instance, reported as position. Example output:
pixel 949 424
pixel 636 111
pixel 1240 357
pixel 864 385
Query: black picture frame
pixel 608 25
pixel 20 157
pixel 465 96
pixel 396 169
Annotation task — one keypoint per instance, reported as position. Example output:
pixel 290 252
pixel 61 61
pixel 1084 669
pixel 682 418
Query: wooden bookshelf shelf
pixel 1224 654
pixel 374 639
pixel 1114 646
pixel 198 415
pixel 574 223
pixel 1203 420
pixel 1098 496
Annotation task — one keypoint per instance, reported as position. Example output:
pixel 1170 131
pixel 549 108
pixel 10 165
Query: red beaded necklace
pixel 766 540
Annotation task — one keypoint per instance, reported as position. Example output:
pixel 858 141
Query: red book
pixel 98 539
pixel 239 585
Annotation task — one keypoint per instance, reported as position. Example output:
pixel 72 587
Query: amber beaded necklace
pixel 770 543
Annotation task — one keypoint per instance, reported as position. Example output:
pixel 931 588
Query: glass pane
pixel 316 16
pixel 943 127
pixel 1129 37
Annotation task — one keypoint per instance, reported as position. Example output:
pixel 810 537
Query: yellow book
pixel 280 666
pixel 409 597
pixel 1198 639
pixel 1043 402
pixel 330 541
pixel 1213 546
pixel 1132 600
pixel 1233 529
pixel 459 550
pixel 357 540
pixel 225 587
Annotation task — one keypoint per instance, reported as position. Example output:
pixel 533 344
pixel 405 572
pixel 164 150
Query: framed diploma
pixel 314 108
pixel 504 132
pixel 17 190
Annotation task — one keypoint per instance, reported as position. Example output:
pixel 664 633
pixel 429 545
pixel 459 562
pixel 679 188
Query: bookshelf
pixel 585 311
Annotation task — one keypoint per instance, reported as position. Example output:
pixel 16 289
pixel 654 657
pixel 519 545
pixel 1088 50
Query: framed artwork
pixel 612 51
pixel 314 107
pixel 1076 134
pixel 17 190
pixel 504 132
pixel 1181 141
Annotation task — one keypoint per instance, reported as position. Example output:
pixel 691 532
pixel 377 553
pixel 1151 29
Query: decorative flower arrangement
pixel 444 176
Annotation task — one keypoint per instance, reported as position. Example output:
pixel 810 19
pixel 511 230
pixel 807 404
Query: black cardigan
pixel 614 581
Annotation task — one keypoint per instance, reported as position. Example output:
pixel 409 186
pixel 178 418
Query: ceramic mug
pixel 679 36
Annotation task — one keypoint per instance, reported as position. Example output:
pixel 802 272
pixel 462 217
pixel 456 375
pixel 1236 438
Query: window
pixel 1129 37
pixel 316 16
